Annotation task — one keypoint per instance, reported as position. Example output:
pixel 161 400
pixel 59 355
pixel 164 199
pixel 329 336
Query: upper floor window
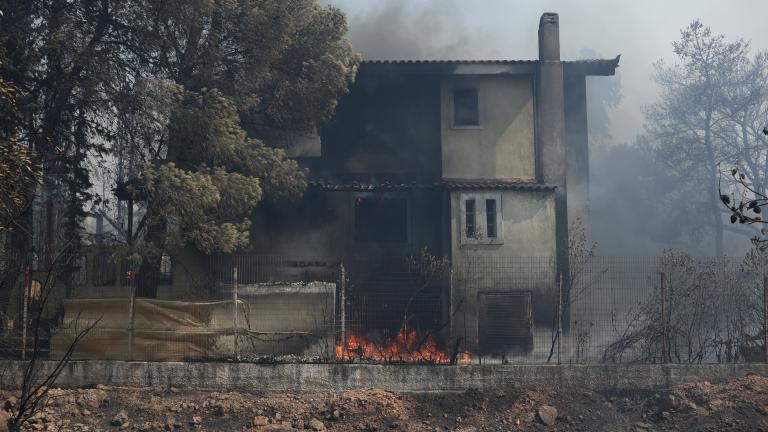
pixel 481 218
pixel 466 108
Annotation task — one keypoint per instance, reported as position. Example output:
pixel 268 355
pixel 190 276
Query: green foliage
pixel 187 204
pixel 202 92
pixel 213 176
pixel 18 171
pixel 284 63
pixel 246 73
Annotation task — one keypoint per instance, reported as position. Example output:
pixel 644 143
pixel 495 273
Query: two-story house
pixel 481 161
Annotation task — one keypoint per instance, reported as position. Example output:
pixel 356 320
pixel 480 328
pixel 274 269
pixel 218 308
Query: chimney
pixel 550 123
pixel 549 37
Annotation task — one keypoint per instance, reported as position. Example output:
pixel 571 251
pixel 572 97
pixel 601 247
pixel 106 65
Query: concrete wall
pixel 256 378
pixel 524 262
pixel 503 144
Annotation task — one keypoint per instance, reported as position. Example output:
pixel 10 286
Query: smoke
pixel 407 30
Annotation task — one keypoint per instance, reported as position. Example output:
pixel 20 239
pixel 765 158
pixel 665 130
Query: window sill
pixel 466 127
pixel 468 242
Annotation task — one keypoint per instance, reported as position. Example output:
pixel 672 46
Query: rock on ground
pixel 547 415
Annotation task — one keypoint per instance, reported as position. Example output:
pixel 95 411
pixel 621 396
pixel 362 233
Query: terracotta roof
pixel 363 186
pixel 502 183
pixel 451 184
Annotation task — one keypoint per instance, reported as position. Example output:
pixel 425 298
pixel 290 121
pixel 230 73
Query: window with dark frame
pixel 381 219
pixel 490 218
pixel 470 222
pixel 481 217
pixel 466 108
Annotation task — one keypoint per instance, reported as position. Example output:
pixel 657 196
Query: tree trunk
pixel 714 194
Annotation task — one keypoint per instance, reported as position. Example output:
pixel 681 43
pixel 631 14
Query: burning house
pixel 441 189
pixel 483 162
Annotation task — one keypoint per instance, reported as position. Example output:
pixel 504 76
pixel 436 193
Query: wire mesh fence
pixel 423 309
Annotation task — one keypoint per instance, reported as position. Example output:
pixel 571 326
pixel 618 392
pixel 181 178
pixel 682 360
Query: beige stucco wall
pixel 525 262
pixel 503 144
pixel 528 226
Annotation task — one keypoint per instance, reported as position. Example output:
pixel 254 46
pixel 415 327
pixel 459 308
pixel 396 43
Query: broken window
pixel 490 218
pixel 466 109
pixel 381 219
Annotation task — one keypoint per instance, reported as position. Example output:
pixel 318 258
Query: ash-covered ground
pixel 739 405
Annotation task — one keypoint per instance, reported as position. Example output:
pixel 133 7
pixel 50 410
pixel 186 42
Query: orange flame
pixel 405 347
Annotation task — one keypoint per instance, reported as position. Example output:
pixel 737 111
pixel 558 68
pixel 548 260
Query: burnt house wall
pixel 386 129
pixel 324 224
pixel 388 123
pixel 424 224
pixel 316 226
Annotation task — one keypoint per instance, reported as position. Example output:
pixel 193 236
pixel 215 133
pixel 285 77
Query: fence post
pixel 25 312
pixel 664 332
pixel 559 316
pixel 449 318
pixel 765 316
pixel 234 311
pixel 343 307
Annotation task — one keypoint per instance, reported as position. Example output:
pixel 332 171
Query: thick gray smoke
pixel 403 29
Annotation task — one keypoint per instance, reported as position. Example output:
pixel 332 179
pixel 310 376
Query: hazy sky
pixel 641 31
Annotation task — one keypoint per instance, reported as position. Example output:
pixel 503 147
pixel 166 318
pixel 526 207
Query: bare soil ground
pixel 739 405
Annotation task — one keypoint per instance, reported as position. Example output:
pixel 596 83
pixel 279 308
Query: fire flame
pixel 405 347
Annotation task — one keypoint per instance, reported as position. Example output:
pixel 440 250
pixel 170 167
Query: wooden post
pixel 234 312
pixel 664 331
pixel 765 316
pixel 559 317
pixel 25 312
pixel 343 307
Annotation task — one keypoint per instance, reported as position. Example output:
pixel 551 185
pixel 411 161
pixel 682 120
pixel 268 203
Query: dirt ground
pixel 739 405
